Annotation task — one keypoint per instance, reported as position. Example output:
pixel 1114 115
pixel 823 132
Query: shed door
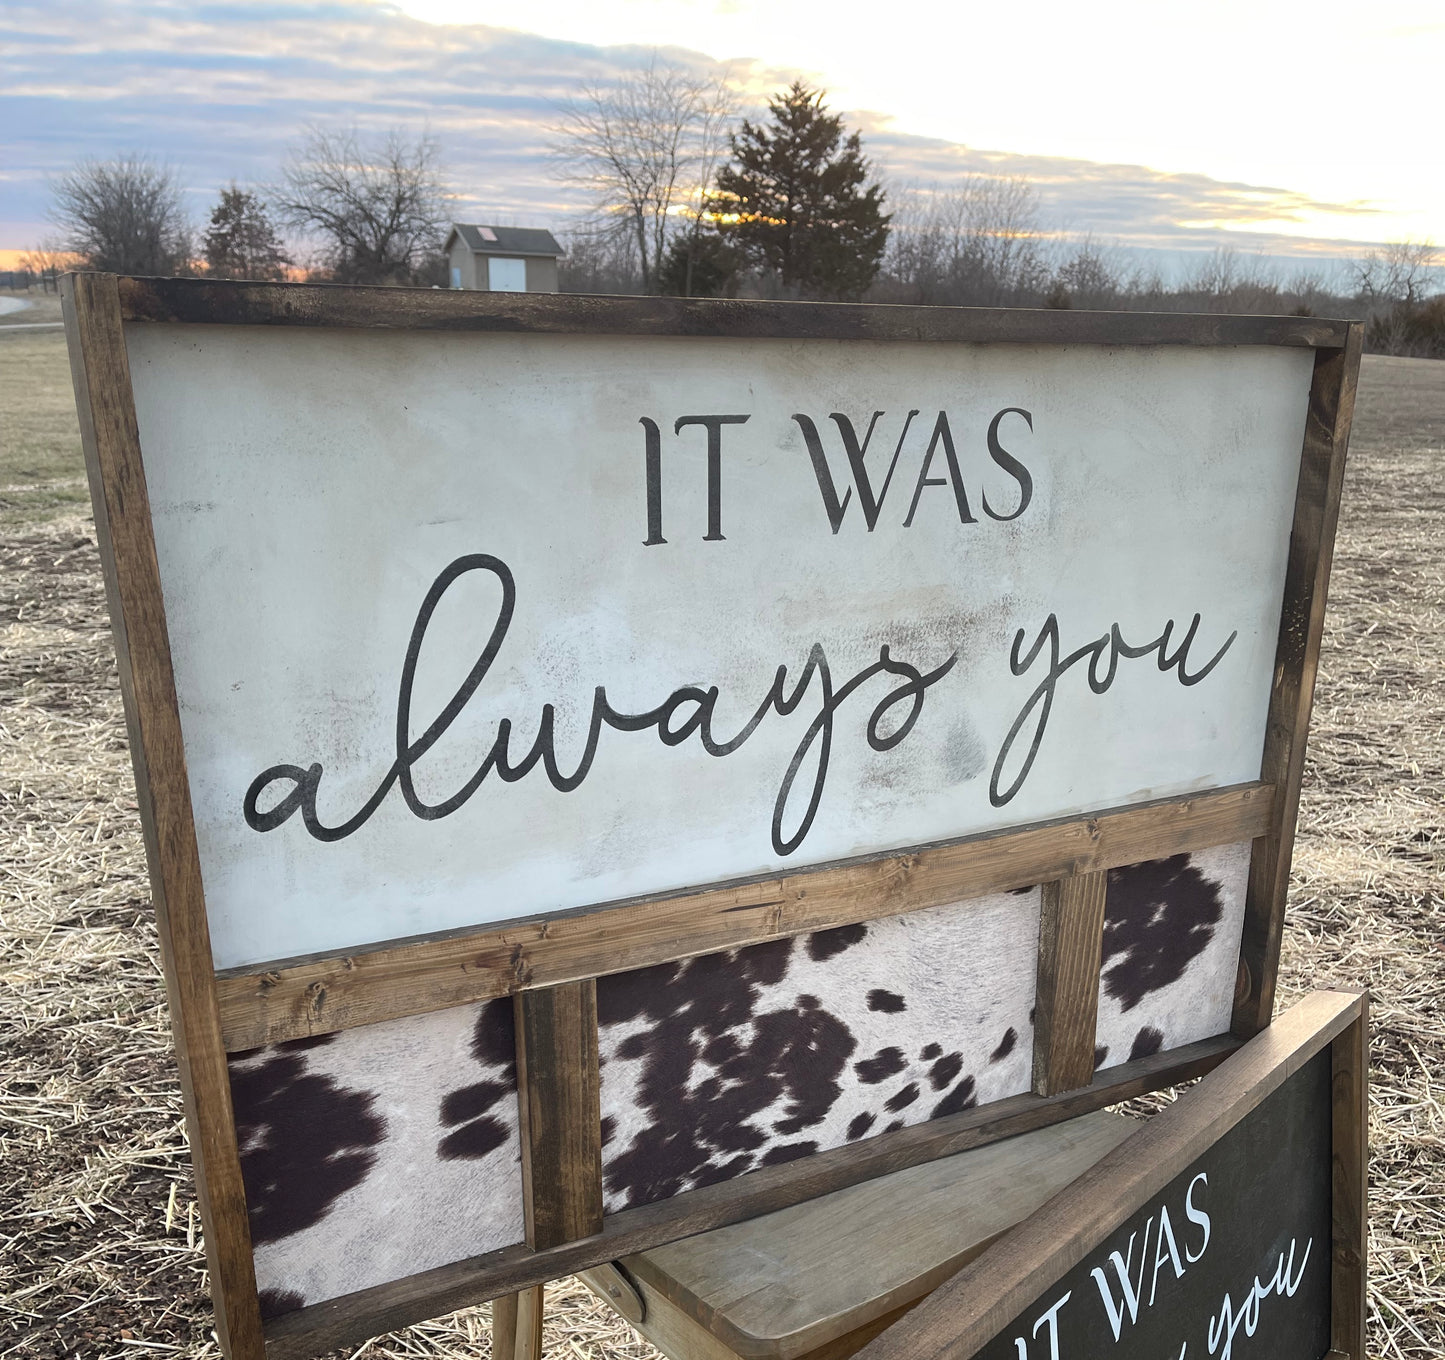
pixel 507 276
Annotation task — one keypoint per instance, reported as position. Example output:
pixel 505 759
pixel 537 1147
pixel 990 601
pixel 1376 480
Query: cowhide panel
pixel 1172 930
pixel 378 1152
pixel 723 1064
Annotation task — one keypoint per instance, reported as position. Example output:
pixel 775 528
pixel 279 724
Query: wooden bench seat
pixel 819 1280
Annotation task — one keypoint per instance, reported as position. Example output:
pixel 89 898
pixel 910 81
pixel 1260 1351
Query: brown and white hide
pixel 390 1149
pixel 719 1065
pixel 1172 930
pixel 379 1152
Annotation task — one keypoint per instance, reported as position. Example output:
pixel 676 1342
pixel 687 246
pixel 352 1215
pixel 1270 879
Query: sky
pixel 1306 131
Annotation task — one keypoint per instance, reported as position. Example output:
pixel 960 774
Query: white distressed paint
pixel 308 486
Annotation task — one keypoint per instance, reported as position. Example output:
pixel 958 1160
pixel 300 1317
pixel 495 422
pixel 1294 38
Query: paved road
pixel 30 325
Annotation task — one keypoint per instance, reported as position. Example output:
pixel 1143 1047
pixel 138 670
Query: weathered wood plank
pixel 291 1000
pixel 517 1325
pixel 349 1319
pixel 968 1311
pixel 559 1095
pixel 783 1285
pixel 101 373
pixel 610 1282
pixel 1301 628
pixel 231 303
pixel 1071 937
pixel 1349 1157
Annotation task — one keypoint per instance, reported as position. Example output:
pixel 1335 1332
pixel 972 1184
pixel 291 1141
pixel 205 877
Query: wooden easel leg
pixel 517 1325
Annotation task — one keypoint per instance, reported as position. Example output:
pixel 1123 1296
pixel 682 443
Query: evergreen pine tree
pixel 241 242
pixel 798 189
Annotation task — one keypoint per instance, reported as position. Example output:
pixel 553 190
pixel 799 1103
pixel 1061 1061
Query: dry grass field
pixel 99 1239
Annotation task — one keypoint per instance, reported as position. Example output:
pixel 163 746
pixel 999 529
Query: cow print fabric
pixel 723 1064
pixel 390 1149
pixel 379 1152
pixel 1172 930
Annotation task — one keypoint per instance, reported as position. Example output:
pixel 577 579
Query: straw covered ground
pixel 99 1238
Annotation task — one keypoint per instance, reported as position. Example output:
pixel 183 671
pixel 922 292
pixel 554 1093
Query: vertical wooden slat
pixel 1349 1100
pixel 529 1324
pixel 111 439
pixel 1297 654
pixel 559 1094
pixel 517 1325
pixel 1071 933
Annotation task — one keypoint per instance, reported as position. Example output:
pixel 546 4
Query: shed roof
pixel 504 240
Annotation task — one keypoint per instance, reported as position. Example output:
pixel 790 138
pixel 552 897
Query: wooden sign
pixel 623 765
pixel 1232 1225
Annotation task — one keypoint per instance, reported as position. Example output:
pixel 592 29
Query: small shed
pixel 502 259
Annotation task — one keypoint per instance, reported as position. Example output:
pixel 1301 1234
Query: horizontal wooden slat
pixel 273 304
pixel 369 1312
pixel 291 1000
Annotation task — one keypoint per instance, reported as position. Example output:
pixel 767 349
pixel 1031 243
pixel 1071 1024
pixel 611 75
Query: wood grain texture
pixel 611 1283
pixel 504 1326
pixel 517 1325
pixel 206 301
pixel 1301 629
pixel 111 440
pixel 1349 1216
pixel 968 1311
pixel 352 1318
pixel 1071 941
pixel 291 1000
pixel 559 1096
pixel 781 1286
pixel 676 1333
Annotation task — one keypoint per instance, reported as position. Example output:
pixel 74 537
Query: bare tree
pixel 1087 276
pixel 123 216
pixel 647 147
pixel 978 243
pixel 378 210
pixel 1401 271
pixel 597 260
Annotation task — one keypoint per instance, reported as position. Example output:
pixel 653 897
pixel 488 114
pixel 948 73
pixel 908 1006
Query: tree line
pixel 691 199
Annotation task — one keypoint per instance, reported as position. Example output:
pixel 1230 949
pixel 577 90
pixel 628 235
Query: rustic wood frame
pixel 988 1294
pixel 550 966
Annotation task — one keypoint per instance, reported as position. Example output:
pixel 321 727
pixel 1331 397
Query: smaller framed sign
pixel 1230 1226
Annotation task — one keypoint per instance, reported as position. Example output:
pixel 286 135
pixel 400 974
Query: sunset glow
pixel 1261 126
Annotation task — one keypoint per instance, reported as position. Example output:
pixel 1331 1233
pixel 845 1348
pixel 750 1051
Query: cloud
pixel 220 90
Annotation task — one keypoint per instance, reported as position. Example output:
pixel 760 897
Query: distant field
pixel 42 471
pixel 97 1212
pixel 38 307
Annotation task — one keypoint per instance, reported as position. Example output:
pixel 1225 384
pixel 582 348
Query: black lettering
pixel 714 426
pixel 654 482
pixel 856 453
pixel 941 434
pixel 1009 464
pixel 1038 706
pixel 686 712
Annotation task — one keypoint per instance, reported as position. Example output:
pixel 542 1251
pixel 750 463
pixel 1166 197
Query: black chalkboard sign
pixel 1235 1249
pixel 1230 1227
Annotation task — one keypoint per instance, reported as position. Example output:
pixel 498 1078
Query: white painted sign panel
pixel 474 627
